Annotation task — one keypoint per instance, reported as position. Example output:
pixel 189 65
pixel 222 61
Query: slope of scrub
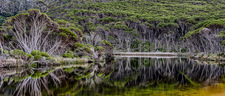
pixel 139 25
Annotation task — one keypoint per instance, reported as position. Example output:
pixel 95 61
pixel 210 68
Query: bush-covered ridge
pixel 139 25
pixel 155 21
pixel 146 11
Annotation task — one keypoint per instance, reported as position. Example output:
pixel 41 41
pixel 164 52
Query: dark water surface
pixel 126 76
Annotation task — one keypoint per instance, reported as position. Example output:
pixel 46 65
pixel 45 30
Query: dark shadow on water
pixel 123 76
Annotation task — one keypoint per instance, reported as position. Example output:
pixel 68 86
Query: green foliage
pixel 87 49
pixel 50 58
pixel 68 55
pixel 217 23
pixel 88 45
pixel 222 34
pixel 6 52
pixel 84 48
pixel 90 24
pixel 99 48
pixel 160 13
pixel 121 27
pixel 69 70
pixel 190 33
pixel 107 19
pixel 77 30
pixel 35 52
pixel 105 42
pixel 38 74
pixel 62 23
pixel 2 20
pixel 63 34
pixel 78 45
pixel 111 38
pixel 76 56
pixel 7 37
pixel 19 52
pixel 161 25
pixel 39 53
pixel 161 49
pixel 69 51
pixel 67 32
pixel 223 43
pixel 133 16
pixel 36 57
pixel 45 54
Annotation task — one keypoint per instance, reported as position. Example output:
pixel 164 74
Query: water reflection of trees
pixel 44 81
pixel 123 72
pixel 182 71
pixel 29 83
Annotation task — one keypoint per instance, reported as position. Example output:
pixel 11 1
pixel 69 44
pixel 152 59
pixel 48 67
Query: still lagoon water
pixel 125 76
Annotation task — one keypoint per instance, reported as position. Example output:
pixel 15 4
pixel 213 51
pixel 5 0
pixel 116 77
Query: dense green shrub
pixel 37 52
pixel 78 45
pixel 99 48
pixel 45 54
pixel 87 49
pixel 88 45
pixel 36 57
pixel 106 42
pixel 68 32
pixel 68 55
pixel 19 52
pixel 2 20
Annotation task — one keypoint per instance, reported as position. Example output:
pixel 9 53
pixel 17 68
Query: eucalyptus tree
pixel 36 31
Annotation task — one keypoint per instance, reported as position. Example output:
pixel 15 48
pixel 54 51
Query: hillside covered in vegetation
pixel 160 25
pixel 129 25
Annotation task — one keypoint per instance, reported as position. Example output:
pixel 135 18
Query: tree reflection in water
pixel 121 73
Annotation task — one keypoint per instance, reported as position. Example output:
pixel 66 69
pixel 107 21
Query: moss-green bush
pixel 6 52
pixel 45 54
pixel 71 52
pixel 35 52
pixel 63 34
pixel 107 19
pixel 111 38
pixel 161 25
pixel 2 20
pixel 36 57
pixel 39 53
pixel 68 32
pixel 62 23
pixel 190 33
pixel 87 49
pixel 78 45
pixel 50 58
pixel 121 27
pixel 68 55
pixel 88 45
pixel 76 56
pixel 106 42
pixel 18 52
pixel 99 48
